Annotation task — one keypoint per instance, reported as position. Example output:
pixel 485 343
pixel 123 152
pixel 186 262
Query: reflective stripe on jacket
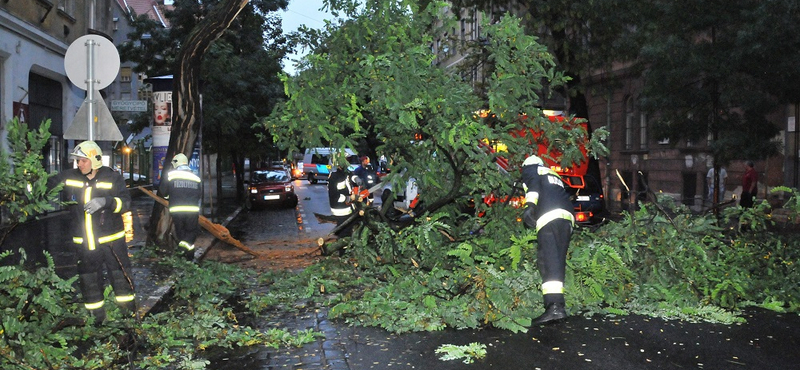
pixel 544 191
pixel 183 190
pixel 105 225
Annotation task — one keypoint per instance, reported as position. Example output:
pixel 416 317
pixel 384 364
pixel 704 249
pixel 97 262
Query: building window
pixel 125 74
pixel 630 118
pixel 67 6
pixel 643 131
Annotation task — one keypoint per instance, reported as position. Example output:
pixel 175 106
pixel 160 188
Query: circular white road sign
pixel 105 61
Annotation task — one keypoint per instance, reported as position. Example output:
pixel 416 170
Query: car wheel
pixel 292 202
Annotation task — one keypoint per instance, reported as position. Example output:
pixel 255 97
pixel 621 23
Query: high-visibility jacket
pixel 105 225
pixel 545 196
pixel 183 191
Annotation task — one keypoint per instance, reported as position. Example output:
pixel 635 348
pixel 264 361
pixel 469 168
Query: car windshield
pixel 270 176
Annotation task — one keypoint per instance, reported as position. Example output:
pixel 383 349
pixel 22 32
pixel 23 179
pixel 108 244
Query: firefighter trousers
pixel 112 258
pixel 186 226
pixel 553 240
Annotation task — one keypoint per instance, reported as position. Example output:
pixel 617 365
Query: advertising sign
pixel 162 127
pixel 129 105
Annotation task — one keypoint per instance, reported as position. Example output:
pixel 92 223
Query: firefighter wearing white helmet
pixel 100 198
pixel 183 192
pixel 548 211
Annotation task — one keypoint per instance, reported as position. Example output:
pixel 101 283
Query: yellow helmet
pixel 89 150
pixel 532 160
pixel 179 159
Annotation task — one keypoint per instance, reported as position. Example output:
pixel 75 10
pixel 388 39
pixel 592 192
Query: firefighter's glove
pixel 528 218
pixel 94 205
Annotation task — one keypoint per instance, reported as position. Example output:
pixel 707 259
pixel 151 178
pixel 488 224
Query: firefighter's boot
pixel 123 290
pixel 553 312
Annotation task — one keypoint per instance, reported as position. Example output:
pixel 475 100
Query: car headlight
pixel 253 190
pixel 288 188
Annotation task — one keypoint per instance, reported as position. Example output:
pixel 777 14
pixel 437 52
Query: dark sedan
pixel 270 187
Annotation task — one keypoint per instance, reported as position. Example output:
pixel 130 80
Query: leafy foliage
pixel 469 353
pixel 367 88
pixel 35 302
pixel 659 261
pixel 203 316
pixel 43 325
pixel 23 180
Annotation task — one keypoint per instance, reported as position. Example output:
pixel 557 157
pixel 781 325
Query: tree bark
pixel 186 101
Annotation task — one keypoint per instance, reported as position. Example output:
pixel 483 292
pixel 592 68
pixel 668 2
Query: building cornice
pixel 31 33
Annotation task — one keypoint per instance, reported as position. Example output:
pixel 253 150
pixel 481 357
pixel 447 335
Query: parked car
pixel 272 186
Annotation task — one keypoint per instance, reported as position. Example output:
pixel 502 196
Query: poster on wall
pixel 21 111
pixel 162 126
pixel 162 117
pixel 159 153
pixel 194 162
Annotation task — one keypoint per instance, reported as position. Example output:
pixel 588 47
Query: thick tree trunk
pixel 186 100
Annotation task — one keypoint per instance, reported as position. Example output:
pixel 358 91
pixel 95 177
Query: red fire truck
pixel 581 181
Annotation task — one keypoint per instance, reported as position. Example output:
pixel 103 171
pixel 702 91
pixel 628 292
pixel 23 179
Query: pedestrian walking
pixel 749 185
pixel 183 192
pixel 548 211
pixel 365 177
pixel 100 198
pixel 723 174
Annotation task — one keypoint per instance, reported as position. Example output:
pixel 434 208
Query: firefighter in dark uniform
pixel 339 190
pixel 548 212
pixel 98 232
pixel 184 193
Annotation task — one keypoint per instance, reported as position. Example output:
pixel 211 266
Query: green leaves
pixel 373 83
pixel 33 309
pixel 23 184
pixel 468 353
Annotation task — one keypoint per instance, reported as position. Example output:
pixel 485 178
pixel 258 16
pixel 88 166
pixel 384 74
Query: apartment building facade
pixel 34 38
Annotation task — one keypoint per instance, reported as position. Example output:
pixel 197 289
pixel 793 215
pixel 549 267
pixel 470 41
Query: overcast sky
pixel 301 12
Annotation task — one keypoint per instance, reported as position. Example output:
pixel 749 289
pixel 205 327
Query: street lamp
pixel 127 152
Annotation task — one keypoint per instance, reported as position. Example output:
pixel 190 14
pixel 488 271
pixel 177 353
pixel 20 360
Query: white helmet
pixel 532 160
pixel 89 150
pixel 179 160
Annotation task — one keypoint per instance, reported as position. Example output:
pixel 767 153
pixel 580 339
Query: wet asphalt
pixel 767 341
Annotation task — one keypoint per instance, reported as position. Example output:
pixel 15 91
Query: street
pixel 287 236
pixel 767 341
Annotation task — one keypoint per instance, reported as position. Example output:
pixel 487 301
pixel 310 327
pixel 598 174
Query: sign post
pixel 83 70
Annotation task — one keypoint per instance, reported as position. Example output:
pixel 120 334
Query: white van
pixel 317 162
